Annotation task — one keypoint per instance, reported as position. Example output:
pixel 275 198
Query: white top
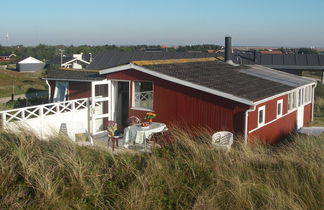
pixel 30 60
pixel 138 134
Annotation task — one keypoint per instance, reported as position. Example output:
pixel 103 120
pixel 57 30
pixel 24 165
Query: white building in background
pixel 77 62
pixel 30 64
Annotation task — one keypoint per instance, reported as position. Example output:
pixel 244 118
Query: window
pixel 143 95
pixel 308 94
pixel 261 116
pixel 292 101
pixel 299 97
pixel 279 108
pixel 60 92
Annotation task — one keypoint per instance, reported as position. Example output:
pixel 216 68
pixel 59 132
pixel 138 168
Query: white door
pixel 300 117
pixel 100 106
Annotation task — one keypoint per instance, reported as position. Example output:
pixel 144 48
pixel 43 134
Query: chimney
pixel 228 51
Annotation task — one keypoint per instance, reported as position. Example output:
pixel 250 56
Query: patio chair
pixel 222 140
pixel 160 139
pixel 111 127
pixel 133 120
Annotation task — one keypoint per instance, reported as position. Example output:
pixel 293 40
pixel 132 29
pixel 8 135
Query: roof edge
pixel 73 80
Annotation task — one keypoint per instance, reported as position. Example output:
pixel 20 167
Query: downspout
pixel 49 91
pixel 313 101
pixel 246 123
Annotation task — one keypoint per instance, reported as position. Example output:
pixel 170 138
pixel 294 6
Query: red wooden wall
pixel 79 90
pixel 273 132
pixel 270 112
pixel 177 104
pixel 307 114
pixel 279 127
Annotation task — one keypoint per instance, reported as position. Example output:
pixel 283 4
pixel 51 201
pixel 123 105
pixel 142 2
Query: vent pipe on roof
pixel 90 59
pixel 228 51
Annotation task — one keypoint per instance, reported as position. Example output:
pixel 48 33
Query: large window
pixel 292 101
pixel 143 95
pixel 60 92
pixel 279 108
pixel 261 116
pixel 308 94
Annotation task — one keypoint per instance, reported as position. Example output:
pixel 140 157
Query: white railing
pixel 31 112
pixel 143 96
pixel 143 99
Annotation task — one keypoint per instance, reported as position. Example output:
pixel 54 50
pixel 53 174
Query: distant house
pixel 291 63
pixel 271 52
pixel 7 58
pixel 76 61
pixel 30 64
pixel 196 89
pixel 215 51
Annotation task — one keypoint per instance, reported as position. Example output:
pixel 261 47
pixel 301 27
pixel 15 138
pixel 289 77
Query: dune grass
pixel 189 174
pixel 318 106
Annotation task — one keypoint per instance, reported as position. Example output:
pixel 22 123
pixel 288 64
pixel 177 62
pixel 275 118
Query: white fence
pixel 49 119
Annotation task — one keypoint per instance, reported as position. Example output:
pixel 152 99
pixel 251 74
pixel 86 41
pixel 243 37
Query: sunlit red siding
pixel 307 114
pixel 79 90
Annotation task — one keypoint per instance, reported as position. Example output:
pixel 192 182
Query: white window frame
pixel 279 102
pixel 308 94
pixel 292 100
pixel 133 96
pixel 263 109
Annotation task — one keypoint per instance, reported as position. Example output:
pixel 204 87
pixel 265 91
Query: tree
pixel 307 51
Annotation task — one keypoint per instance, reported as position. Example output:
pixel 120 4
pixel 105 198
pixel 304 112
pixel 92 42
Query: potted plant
pixel 149 116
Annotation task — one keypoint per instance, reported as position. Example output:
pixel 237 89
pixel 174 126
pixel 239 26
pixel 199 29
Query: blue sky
pixel 167 22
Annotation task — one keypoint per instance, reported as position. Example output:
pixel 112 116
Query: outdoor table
pixel 138 134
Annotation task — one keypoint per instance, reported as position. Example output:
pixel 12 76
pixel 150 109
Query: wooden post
pixel 13 91
pixel 3 120
pixel 322 77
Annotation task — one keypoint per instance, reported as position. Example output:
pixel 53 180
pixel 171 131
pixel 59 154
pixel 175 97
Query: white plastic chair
pixel 223 140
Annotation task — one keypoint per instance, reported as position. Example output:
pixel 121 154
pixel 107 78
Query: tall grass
pixel 189 174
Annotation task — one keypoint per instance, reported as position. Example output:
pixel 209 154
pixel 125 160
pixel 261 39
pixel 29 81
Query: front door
pixel 120 103
pixel 100 106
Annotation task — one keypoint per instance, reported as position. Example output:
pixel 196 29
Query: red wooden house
pixel 6 58
pixel 199 90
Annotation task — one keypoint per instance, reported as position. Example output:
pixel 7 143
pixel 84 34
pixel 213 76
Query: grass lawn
pixel 23 82
pixel 312 74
